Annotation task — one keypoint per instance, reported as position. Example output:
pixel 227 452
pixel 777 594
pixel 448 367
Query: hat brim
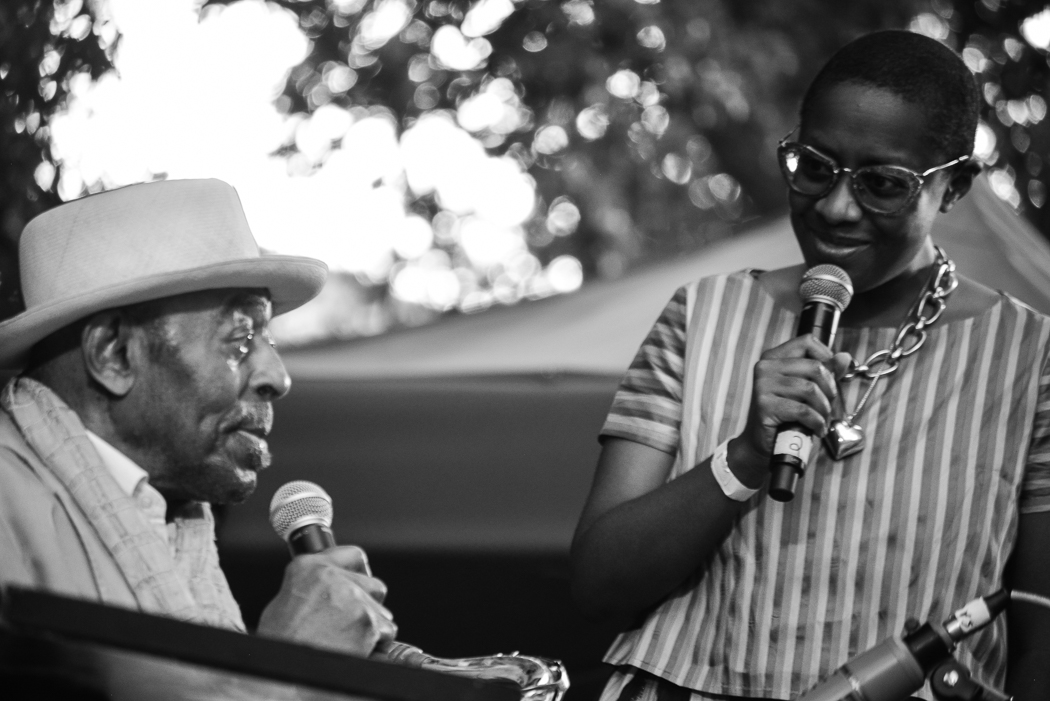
pixel 291 280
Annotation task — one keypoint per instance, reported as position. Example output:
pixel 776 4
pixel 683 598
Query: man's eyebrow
pixel 249 302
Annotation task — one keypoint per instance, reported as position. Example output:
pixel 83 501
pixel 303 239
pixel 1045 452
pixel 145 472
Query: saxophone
pixel 537 678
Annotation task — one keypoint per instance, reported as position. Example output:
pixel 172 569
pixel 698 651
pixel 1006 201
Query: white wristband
pixel 731 486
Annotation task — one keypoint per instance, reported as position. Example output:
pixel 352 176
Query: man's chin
pixel 232 481
pixel 240 492
pixel 232 488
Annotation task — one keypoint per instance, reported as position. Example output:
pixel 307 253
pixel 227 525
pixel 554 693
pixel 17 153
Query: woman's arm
pixel 640 536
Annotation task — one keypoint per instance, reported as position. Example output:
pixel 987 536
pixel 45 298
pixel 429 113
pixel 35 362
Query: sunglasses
pixel 881 189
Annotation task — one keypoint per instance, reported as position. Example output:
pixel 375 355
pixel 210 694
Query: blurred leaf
pixel 1014 77
pixel 630 109
pixel 41 50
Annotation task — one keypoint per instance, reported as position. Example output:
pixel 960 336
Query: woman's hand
pixel 793 383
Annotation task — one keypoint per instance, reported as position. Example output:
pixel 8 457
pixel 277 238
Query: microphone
pixel 826 291
pixel 301 514
pixel 897 667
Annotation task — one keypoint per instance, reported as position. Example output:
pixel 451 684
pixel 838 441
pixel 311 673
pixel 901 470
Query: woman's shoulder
pixel 781 285
pixel 970 299
pixel 973 299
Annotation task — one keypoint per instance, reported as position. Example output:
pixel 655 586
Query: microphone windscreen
pixel 826 283
pixel 299 504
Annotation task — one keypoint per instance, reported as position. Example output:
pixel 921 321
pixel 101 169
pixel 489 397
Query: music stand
pixel 104 651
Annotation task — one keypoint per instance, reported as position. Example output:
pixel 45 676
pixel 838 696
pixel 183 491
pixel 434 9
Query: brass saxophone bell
pixel 538 678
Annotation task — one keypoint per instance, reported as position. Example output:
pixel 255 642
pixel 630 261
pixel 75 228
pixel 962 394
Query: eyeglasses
pixel 881 189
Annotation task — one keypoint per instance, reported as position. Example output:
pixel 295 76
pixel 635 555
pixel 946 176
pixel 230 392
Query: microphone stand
pixel 899 666
pixel 950 681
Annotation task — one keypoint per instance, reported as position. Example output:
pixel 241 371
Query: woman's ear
pixel 104 346
pixel 959 182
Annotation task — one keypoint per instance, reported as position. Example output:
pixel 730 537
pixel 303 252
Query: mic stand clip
pixel 950 681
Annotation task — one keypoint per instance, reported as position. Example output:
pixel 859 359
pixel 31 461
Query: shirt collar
pixel 124 470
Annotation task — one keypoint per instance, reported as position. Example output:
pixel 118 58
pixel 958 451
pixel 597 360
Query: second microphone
pixel 826 291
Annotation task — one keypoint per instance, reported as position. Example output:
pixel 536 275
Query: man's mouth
pixel 257 431
pixel 250 439
pixel 254 419
pixel 247 430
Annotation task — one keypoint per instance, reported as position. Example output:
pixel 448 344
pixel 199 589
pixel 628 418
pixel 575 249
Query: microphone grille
pixel 298 504
pixel 828 283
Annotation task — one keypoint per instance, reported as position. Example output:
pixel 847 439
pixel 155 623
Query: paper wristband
pixel 731 486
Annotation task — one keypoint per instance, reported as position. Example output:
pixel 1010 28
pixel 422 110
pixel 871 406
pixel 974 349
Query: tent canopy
pixel 598 329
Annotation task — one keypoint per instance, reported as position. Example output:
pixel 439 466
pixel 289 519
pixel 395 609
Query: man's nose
pixel 840 205
pixel 269 378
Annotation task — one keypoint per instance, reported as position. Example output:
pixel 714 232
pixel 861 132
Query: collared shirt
pixel 134 481
pixel 124 470
pixel 918 523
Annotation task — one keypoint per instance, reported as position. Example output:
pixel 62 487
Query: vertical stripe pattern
pixel 919 522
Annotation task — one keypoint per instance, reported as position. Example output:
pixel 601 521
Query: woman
pixel 731 594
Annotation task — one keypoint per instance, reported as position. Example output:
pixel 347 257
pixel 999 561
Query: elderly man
pixel 145 395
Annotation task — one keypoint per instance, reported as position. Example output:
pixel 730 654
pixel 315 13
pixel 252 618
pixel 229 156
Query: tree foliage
pixel 43 47
pixel 656 120
pixel 648 126
pixel 1014 77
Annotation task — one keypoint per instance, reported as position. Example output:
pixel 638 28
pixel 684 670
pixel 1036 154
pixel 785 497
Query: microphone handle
pixel 311 538
pixel 886 672
pixel 315 538
pixel 892 670
pixel 820 319
pixel 794 442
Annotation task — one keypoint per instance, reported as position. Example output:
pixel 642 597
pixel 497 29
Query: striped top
pixel 915 525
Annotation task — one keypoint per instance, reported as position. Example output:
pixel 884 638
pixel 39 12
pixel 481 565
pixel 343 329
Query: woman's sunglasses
pixel 882 189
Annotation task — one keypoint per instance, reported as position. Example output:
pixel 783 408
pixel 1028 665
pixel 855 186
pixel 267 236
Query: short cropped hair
pixel 921 71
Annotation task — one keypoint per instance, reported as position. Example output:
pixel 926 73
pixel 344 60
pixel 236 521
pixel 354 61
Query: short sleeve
pixel 647 407
pixel 1035 488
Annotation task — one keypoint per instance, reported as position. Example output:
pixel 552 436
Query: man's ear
pixel 104 345
pixel 961 178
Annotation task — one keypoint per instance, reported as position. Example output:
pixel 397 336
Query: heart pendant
pixel 844 439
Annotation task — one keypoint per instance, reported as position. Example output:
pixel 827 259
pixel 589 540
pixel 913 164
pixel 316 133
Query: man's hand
pixel 331 600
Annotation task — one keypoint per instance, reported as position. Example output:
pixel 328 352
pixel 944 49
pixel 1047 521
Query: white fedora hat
pixel 139 243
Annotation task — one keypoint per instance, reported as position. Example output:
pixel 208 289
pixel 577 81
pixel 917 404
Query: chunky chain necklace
pixel 844 436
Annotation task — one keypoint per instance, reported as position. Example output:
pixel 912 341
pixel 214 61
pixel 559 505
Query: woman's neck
pixel 889 303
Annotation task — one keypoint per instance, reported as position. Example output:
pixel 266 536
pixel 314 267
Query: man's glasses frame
pixel 914 180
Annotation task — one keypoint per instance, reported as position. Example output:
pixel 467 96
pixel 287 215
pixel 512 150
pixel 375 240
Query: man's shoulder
pixel 19 466
pixel 13 446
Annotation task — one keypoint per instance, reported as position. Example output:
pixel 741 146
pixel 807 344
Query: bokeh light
pixel 593 121
pixel 652 37
pixel 984 143
pixel 197 96
pixel 486 16
pixel 445 155
pixel 534 42
pixel 1036 29
pixel 456 51
pixel 624 84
